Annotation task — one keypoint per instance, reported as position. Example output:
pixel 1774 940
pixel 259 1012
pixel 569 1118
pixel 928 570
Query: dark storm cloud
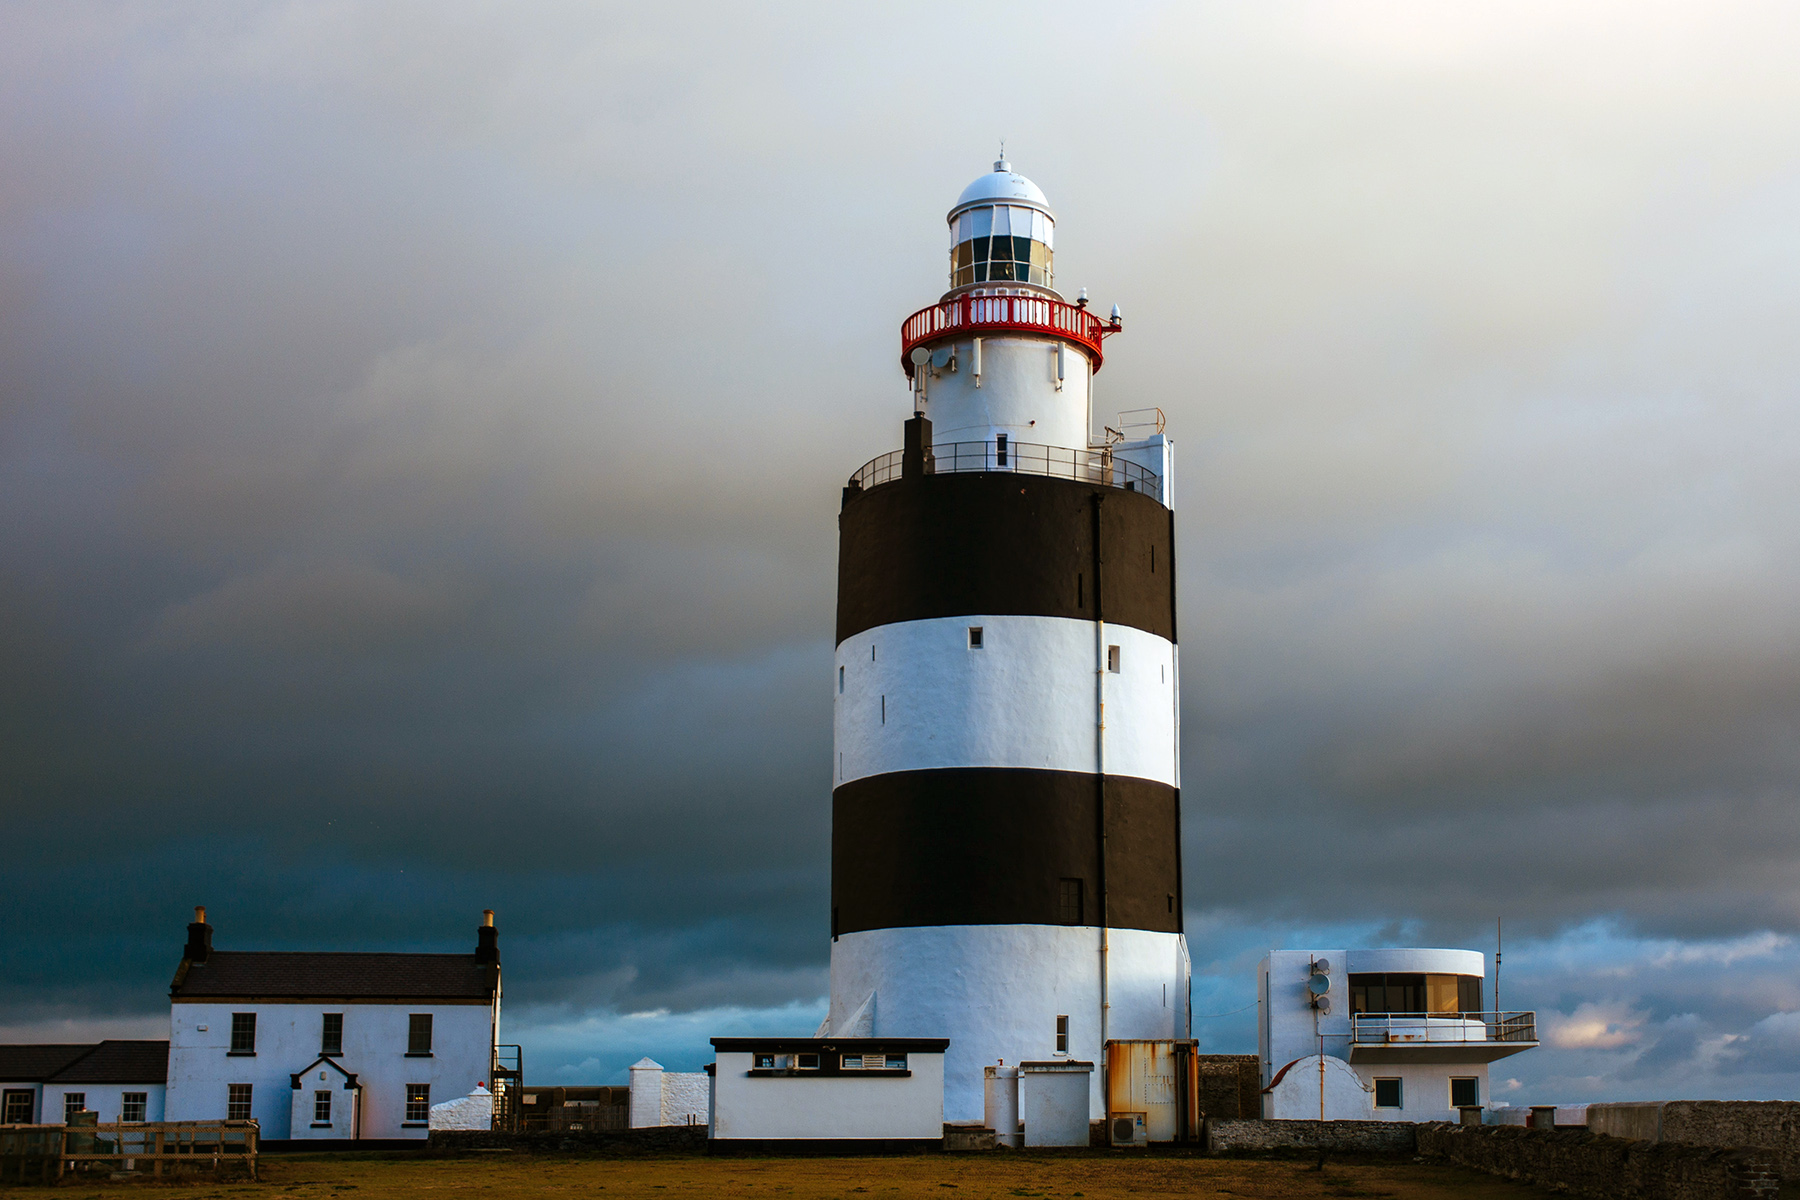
pixel 420 434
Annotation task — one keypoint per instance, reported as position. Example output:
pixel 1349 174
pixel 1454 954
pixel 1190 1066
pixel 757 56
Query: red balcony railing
pixel 977 315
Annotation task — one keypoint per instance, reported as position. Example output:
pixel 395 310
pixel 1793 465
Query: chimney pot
pixel 199 914
pixel 487 917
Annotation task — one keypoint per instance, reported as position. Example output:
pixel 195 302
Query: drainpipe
pixel 1100 777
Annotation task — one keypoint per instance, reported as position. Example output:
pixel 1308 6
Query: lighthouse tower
pixel 1006 821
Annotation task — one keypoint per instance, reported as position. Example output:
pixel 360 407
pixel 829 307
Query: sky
pixel 422 426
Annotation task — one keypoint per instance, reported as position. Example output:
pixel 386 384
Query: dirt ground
pixel 505 1176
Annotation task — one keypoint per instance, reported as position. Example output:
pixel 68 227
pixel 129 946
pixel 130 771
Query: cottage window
pixel 73 1102
pixel 1387 1093
pixel 418 1033
pixel 1464 1092
pixel 418 1102
pixel 331 1034
pixel 237 1102
pixel 132 1106
pixel 322 1108
pixel 243 1033
pixel 17 1109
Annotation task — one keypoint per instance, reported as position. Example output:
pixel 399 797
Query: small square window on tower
pixel 1062 1035
pixel 840 681
pixel 974 637
pixel 1112 659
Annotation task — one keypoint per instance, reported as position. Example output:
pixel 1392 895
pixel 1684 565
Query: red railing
pixel 1004 314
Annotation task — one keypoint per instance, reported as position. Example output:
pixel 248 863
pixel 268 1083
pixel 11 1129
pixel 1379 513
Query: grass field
pixel 500 1176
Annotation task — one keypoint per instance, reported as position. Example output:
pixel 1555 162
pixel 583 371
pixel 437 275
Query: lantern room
pixel 1002 231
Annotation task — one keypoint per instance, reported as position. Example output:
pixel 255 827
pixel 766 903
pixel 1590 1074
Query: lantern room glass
pixel 1002 243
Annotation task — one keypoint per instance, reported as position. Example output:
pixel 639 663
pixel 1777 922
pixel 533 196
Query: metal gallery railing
pixel 973 313
pixel 1399 1029
pixel 1100 466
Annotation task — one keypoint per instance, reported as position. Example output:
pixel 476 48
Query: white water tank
pixel 1000 1104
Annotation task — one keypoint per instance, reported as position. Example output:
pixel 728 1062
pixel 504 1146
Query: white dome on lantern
pixel 1003 185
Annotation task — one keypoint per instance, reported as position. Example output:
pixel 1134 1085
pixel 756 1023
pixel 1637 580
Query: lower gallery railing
pixel 1025 458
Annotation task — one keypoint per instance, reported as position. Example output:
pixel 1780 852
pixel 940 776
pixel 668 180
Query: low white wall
pixel 473 1111
pixel 820 1107
pixel 1296 1096
pixel 685 1096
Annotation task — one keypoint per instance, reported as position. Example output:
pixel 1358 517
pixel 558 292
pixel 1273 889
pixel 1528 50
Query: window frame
pixel 977 637
pixel 243 1035
pixel 1399 1092
pixel 1071 901
pixel 1113 659
pixel 418 1035
pixel 321 1108
pixel 1062 1033
pixel 418 1100
pixel 240 1102
pixel 329 1045
pixel 1474 1082
pixel 78 1099
pixel 10 1103
pixel 126 1102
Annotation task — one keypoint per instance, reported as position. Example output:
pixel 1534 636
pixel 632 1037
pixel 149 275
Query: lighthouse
pixel 1006 819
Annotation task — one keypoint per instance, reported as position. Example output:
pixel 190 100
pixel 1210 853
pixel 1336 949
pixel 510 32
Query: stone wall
pixel 1343 1137
pixel 669 1139
pixel 1771 1125
pixel 685 1097
pixel 1230 1085
pixel 1598 1167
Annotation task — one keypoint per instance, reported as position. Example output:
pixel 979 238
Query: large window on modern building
pixel 1415 994
pixel 73 1102
pixel 243 1033
pixel 1464 1092
pixel 1387 1093
pixel 418 1102
pixel 418 1033
pixel 331 1033
pixel 1002 243
pixel 132 1106
pixel 237 1102
pixel 1069 902
pixel 321 1107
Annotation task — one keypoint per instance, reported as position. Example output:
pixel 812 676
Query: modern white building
pixel 1006 824
pixel 1385 1035
pixel 121 1081
pixel 333 1047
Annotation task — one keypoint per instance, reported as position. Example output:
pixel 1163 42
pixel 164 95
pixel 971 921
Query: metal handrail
pixel 1024 314
pixel 1404 1028
pixel 1025 458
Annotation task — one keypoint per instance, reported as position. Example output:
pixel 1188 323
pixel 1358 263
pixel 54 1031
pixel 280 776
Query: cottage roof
pixel 38 1062
pixel 309 975
pixel 115 1061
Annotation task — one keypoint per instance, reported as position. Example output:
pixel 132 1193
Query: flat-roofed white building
pixel 850 1093
pixel 329 1046
pixel 1385 1035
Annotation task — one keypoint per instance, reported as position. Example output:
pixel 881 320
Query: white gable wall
pixel 287 1041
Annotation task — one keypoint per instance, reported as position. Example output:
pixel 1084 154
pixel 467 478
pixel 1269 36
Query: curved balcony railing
pixel 1004 314
pixel 1025 458
pixel 1403 1029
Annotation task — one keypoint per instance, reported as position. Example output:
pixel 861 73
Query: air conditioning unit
pixel 1128 1129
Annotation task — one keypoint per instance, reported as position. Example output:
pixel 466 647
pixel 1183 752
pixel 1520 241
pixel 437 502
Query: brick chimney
pixel 199 943
pixel 487 940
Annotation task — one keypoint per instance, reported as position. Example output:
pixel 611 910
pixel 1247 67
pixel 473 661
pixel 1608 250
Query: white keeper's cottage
pixel 333 1047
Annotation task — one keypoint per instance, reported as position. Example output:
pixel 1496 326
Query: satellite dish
pixel 1319 985
pixel 1321 966
pixel 1322 1003
pixel 920 356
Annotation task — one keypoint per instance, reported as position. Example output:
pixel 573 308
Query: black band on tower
pixel 996 542
pixel 1002 846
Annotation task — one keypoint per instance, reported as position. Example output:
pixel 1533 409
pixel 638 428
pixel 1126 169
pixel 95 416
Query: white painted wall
pixel 1296 1095
pixel 1025 699
pixel 644 1096
pixel 685 1096
pixel 287 1040
pixel 1053 1102
pixel 996 990
pixel 107 1099
pixel 848 1105
pixel 1018 395
pixel 303 1107
pixel 473 1111
pixel 1290 1028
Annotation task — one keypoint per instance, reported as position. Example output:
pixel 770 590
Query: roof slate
pixel 332 975
pixel 37 1063
pixel 119 1062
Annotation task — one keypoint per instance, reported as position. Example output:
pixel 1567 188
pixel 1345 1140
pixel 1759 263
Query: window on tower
pixel 1069 902
pixel 1002 244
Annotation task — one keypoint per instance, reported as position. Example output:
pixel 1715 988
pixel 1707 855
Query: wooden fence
pixel 48 1152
